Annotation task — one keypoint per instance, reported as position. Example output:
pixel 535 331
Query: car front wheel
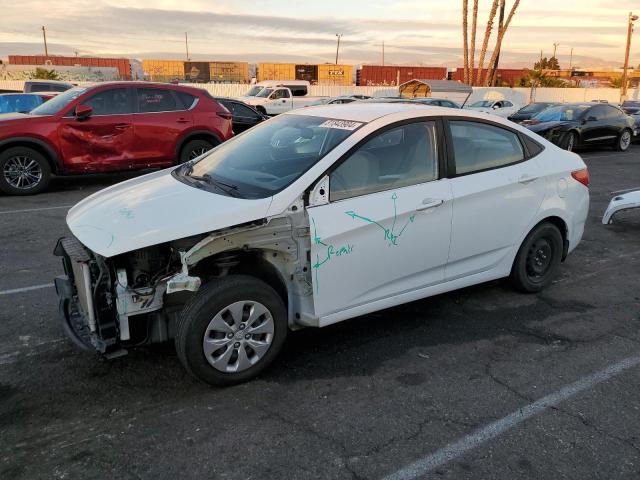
pixel 538 259
pixel 23 171
pixel 193 149
pixel 231 330
pixel 624 141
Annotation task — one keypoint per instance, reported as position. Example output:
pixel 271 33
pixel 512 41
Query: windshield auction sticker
pixel 340 124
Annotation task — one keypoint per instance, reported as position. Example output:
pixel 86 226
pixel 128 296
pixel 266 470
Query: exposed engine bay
pixel 135 298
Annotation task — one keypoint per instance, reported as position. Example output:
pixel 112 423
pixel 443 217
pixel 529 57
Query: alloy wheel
pixel 196 152
pixel 22 172
pixel 238 336
pixel 571 142
pixel 625 140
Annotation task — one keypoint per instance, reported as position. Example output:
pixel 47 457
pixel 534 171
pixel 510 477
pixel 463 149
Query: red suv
pixel 107 128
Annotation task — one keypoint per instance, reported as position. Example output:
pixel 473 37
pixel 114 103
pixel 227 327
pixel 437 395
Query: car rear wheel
pixel 538 259
pixel 194 148
pixel 570 141
pixel 23 171
pixel 231 330
pixel 624 141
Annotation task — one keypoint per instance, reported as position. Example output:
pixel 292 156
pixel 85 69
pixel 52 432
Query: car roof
pixel 367 112
pixel 22 93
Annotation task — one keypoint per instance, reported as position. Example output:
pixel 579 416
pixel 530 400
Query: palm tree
pixel 485 42
pixel 465 13
pixel 501 33
pixel 472 48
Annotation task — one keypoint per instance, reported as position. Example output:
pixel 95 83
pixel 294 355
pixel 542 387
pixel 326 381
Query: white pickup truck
pixel 274 97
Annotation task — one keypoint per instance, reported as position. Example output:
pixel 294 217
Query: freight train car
pixel 229 72
pixel 381 75
pixel 122 64
pixel 163 70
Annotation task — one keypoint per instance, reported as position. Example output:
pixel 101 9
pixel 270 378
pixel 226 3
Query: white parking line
pixel 26 289
pixel 34 209
pixel 484 434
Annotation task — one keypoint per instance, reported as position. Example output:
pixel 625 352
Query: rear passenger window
pixel 399 157
pixel 186 99
pixel 156 100
pixel 479 146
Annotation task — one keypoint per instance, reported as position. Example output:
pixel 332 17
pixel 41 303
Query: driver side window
pixel 400 157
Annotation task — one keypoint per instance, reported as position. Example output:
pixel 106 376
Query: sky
pixel 425 32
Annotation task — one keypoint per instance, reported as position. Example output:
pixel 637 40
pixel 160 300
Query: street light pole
pixel 44 36
pixel 186 45
pixel 623 89
pixel 339 35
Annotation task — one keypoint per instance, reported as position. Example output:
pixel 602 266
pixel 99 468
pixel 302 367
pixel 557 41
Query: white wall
pixel 519 96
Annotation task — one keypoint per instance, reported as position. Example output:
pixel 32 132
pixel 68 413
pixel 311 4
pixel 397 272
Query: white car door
pixel 279 101
pixel 497 192
pixel 386 228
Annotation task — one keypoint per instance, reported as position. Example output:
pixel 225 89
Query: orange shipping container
pixel 276 71
pixel 329 74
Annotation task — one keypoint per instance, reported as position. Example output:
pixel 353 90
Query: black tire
pixel 193 149
pixel 261 109
pixel 538 259
pixel 34 165
pixel 623 142
pixel 212 299
pixel 569 141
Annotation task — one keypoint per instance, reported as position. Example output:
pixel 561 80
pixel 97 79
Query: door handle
pixel 524 179
pixel 182 120
pixel 284 101
pixel 121 126
pixel 428 203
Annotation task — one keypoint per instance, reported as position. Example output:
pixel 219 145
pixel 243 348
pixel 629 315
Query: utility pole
pixel 500 27
pixel 383 53
pixel 339 35
pixel 555 47
pixel 571 60
pixel 623 90
pixel 44 36
pixel 186 44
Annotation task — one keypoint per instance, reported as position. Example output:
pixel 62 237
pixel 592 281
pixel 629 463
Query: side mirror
pixel 83 112
pixel 496 106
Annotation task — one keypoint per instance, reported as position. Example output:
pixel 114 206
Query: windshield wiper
pixel 228 188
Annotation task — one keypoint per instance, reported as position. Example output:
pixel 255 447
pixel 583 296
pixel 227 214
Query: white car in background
pixel 501 108
pixel 311 218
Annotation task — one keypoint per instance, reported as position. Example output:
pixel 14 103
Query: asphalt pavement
pixel 482 383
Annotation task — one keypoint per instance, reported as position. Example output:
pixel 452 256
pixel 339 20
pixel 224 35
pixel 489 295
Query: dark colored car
pixel 632 109
pixel 529 111
pixel 22 102
pixel 243 116
pixel 106 128
pixel 582 124
pixel 46 86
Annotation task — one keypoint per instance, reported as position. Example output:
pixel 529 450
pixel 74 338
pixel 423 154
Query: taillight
pixel 225 115
pixel 581 176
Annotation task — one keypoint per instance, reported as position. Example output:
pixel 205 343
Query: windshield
pixel 253 91
pixel 18 103
pixel 58 102
pixel 533 108
pixel 270 156
pixel 265 92
pixel 561 113
pixel 482 103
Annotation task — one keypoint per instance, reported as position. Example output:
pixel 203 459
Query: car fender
pixel 52 154
pixel 626 201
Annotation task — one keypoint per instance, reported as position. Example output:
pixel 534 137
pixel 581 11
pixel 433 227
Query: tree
pixel 485 42
pixel 44 74
pixel 472 48
pixel 501 33
pixel 616 82
pixel 465 14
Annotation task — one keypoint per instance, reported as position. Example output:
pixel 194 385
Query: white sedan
pixel 314 217
pixel 501 108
